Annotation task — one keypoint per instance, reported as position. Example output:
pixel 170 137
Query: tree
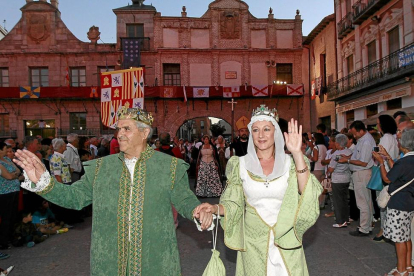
pixel 217 129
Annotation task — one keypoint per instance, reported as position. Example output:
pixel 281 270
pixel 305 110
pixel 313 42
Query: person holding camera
pixel 341 177
pixel 388 128
pixel 400 208
pixel 360 164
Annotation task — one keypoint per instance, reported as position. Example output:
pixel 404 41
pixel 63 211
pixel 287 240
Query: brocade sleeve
pixel 182 197
pixel 233 202
pixel 75 196
pixel 308 207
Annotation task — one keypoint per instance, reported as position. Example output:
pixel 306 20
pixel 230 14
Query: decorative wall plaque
pixel 231 75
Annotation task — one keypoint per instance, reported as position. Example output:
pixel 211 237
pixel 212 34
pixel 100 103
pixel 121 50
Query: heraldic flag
pixel 28 92
pixel 120 88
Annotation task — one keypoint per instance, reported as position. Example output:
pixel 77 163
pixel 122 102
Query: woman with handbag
pixel 271 199
pixel 388 128
pixel 400 208
pixel 341 177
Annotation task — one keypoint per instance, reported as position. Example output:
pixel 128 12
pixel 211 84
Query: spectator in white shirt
pixel 318 154
pixel 94 147
pixel 387 126
pixel 360 164
pixel 72 156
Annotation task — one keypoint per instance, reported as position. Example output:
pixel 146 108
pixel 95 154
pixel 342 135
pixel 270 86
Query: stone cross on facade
pixel 232 104
pixel 232 117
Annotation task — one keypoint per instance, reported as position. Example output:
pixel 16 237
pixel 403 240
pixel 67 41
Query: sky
pixel 80 15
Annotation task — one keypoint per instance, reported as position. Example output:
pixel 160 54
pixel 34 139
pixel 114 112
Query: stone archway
pixel 170 114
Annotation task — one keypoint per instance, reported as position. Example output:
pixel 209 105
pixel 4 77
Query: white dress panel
pixel 267 200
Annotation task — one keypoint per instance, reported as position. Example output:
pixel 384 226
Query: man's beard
pixel 243 137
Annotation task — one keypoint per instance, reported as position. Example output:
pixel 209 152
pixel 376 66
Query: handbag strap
pixel 402 187
pixel 217 223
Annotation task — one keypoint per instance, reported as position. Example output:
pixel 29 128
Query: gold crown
pixel 136 114
pixel 264 110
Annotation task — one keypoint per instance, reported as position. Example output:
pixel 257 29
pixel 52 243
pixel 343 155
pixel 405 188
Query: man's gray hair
pixel 341 139
pixel 28 140
pixel 141 125
pixel 72 137
pixel 58 143
pixel 407 139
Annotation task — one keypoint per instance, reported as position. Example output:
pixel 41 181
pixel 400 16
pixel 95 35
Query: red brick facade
pixel 227 46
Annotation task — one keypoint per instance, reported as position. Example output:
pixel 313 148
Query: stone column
pixel 408 24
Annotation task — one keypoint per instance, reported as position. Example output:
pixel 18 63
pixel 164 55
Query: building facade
pixel 375 58
pixel 226 47
pixel 322 71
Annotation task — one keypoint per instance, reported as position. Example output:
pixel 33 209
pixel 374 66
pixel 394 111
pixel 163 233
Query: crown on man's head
pixel 136 114
pixel 264 110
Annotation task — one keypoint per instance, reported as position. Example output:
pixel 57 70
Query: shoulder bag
pixel 384 196
pixel 375 183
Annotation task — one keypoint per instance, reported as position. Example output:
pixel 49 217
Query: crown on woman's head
pixel 264 110
pixel 136 114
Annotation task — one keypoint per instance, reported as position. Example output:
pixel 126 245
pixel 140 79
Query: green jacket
pixel 149 246
pixel 246 232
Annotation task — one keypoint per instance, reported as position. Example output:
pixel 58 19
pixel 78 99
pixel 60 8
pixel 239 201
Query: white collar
pixel 59 154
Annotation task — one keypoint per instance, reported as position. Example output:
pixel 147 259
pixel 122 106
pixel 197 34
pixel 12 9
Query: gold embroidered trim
pixel 258 178
pixel 173 169
pixel 98 166
pixel 131 216
pixel 48 187
pixel 123 221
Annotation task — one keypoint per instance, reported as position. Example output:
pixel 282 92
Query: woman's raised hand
pixel 293 138
pixel 32 165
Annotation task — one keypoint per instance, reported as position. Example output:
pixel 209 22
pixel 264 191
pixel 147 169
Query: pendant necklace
pixel 266 183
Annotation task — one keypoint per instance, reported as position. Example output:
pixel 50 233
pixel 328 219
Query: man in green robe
pixel 133 229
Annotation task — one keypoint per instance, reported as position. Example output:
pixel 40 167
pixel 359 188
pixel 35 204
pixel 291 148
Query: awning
pixel 373 119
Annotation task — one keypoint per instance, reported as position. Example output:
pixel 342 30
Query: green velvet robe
pixel 159 181
pixel 247 233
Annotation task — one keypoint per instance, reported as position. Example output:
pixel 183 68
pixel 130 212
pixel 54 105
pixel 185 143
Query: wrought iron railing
pixel 345 25
pixel 86 132
pixel 395 65
pixel 362 9
pixel 8 133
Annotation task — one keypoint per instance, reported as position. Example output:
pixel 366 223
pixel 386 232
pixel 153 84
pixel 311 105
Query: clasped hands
pixel 204 214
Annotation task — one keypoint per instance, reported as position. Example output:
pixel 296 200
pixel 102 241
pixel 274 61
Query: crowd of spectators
pixel 349 159
pixel 358 155
pixel 25 218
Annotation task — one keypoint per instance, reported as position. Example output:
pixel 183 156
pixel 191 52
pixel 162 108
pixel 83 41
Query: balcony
pixel 363 9
pixel 8 133
pixel 345 26
pixel 89 132
pixel 395 66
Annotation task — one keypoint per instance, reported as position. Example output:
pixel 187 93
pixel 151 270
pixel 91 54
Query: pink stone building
pixel 227 46
pixel 323 71
pixel 375 43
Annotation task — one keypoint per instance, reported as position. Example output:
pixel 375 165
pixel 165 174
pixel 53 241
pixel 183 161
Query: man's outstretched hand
pixel 29 162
